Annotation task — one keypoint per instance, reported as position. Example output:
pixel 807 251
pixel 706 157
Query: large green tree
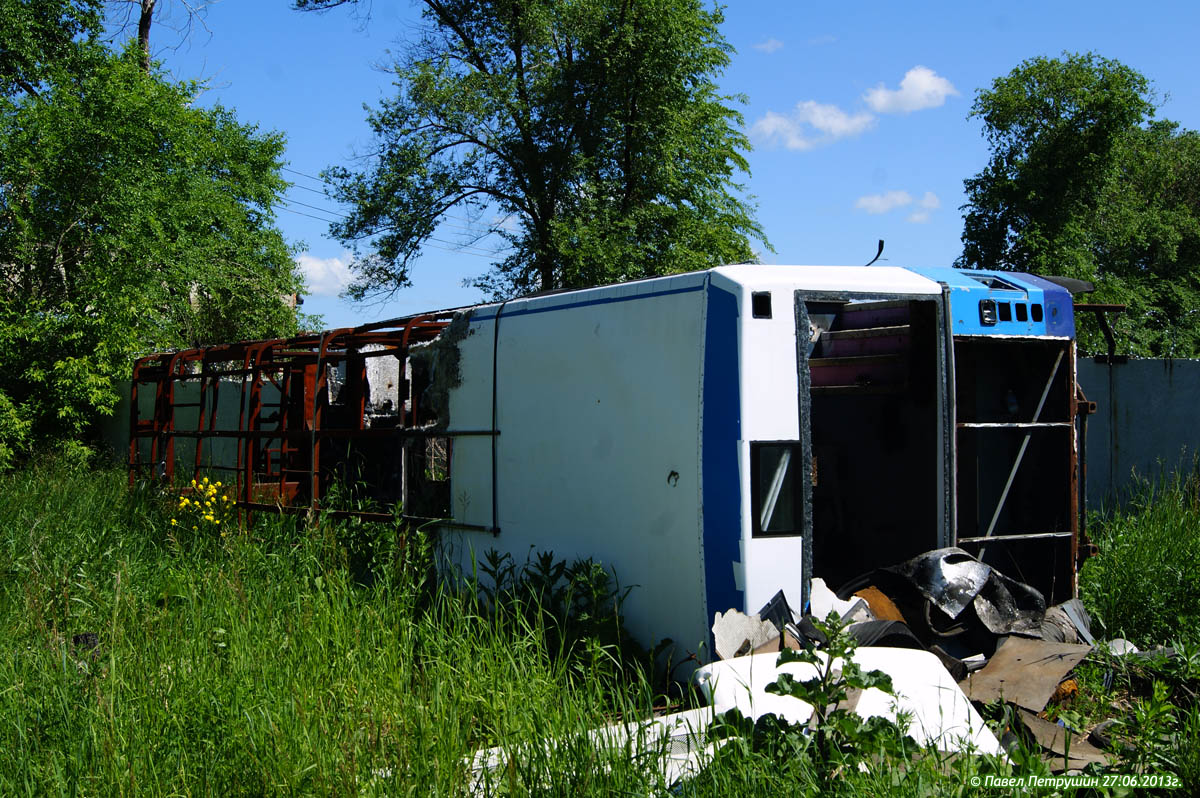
pixel 1084 182
pixel 130 220
pixel 589 135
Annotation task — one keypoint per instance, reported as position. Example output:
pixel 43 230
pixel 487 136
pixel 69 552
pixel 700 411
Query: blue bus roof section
pixel 1004 303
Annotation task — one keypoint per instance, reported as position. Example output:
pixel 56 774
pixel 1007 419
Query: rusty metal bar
pixel 368 432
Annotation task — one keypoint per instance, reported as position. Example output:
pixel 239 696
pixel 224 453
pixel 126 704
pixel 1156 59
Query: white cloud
pixel 925 207
pixel 325 276
pixel 796 131
pixel 920 88
pixel 769 46
pixel 819 41
pixel 882 203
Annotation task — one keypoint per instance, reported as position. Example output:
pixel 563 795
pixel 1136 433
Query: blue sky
pixel 857 113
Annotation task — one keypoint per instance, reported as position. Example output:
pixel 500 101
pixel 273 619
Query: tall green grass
pixel 1144 584
pixel 303 657
pixel 263 662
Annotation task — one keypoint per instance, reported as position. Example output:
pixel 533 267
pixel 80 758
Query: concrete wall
pixel 1145 421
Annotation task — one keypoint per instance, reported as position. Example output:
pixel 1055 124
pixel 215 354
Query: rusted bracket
pixel 1083 405
pixel 1101 311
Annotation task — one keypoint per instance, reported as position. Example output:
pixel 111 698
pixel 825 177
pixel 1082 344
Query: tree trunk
pixel 144 20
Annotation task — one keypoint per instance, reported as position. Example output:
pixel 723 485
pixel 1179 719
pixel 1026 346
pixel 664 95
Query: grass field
pixel 141 657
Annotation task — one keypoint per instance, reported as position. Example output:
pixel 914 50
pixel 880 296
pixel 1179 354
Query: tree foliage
pixel 130 220
pixel 39 35
pixel 587 134
pixel 1084 182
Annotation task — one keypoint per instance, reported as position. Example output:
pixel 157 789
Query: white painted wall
pixel 598 452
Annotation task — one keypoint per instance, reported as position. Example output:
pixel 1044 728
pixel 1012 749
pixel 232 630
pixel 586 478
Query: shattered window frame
pixel 784 488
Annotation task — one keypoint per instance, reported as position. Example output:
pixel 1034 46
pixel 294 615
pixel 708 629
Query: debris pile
pixel 993 636
pixel 956 638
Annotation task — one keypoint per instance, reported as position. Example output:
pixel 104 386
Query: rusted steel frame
pixel 252 392
pixel 441 317
pixel 315 417
pixel 206 382
pixel 283 386
pixel 408 328
pixel 133 423
pixel 162 447
pixel 265 359
pixel 1072 409
pixel 1083 408
pixel 243 442
pixel 295 509
pixel 1021 452
pixel 367 432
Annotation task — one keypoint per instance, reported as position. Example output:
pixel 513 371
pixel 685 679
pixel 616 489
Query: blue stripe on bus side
pixel 720 434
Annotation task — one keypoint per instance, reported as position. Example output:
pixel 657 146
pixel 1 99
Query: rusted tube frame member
pixel 281 362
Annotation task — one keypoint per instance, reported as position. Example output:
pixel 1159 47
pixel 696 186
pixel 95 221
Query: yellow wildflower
pixel 174 522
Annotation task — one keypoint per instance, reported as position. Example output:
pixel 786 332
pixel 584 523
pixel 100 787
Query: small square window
pixel 776 486
pixel 760 304
pixel 1036 311
pixel 1022 311
pixel 987 312
pixel 1005 311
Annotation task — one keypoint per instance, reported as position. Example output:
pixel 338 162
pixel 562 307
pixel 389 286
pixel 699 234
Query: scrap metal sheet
pixel 1024 672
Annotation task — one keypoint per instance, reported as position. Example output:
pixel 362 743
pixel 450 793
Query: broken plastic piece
pixel 824 601
pixel 777 611
pixel 939 712
pixel 882 607
pixel 735 633
pixel 1119 646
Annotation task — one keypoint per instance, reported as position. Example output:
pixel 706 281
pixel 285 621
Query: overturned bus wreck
pixel 711 437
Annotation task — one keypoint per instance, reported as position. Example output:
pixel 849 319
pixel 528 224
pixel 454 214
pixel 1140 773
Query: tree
pixel 130 220
pixel 1084 182
pixel 38 35
pixel 589 135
